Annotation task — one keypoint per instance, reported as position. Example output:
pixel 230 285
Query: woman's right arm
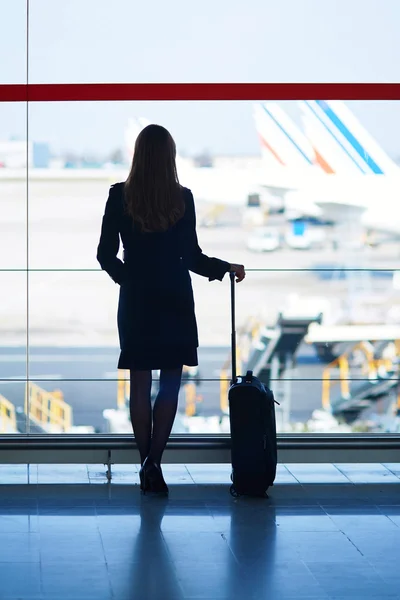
pixel 192 254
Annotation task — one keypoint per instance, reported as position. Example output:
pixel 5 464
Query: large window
pixel 303 193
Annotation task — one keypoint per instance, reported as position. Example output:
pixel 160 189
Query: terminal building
pixel 14 154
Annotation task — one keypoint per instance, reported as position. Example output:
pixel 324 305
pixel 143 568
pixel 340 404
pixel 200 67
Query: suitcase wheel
pixel 233 491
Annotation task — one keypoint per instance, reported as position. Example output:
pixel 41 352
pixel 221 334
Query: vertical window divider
pixel 28 421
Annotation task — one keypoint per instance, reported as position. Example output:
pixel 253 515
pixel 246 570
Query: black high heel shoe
pixel 144 485
pixel 152 479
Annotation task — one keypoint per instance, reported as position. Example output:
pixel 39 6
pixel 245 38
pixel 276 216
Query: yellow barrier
pixel 209 217
pixel 342 363
pixel 397 348
pixel 326 389
pixel 191 399
pixel 123 388
pixel 48 409
pixel 8 419
pixel 224 387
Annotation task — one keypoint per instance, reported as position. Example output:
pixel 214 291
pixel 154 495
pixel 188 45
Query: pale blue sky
pixel 179 40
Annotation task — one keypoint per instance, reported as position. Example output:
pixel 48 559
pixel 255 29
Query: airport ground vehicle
pixel 265 239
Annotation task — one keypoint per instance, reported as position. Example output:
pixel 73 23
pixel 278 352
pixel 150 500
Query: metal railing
pixel 194 448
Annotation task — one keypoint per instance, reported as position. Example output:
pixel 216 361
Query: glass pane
pixel 72 309
pixel 225 41
pixel 13 309
pixel 13 41
pixel 13 304
pixel 59 406
pixel 65 216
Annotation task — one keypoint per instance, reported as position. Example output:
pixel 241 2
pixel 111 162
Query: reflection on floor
pixel 326 532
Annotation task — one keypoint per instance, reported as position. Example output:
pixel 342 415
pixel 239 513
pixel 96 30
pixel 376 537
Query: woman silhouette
pixel 155 217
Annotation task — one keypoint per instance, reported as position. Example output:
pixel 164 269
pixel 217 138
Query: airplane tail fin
pixel 282 142
pixel 341 141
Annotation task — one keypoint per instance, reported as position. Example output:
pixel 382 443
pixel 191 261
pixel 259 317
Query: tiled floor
pixel 326 532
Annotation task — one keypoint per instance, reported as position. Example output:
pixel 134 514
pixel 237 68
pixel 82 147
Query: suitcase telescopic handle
pixel 233 327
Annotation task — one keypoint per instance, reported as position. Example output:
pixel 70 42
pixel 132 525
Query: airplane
pixel 365 181
pixel 285 145
pixel 350 170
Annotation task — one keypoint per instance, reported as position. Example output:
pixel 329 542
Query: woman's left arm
pixel 108 247
pixel 193 256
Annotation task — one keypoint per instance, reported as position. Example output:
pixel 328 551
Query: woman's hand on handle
pixel 239 272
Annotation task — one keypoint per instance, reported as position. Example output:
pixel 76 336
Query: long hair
pixel 153 196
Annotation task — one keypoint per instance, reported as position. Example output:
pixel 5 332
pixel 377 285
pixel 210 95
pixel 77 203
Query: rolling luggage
pixel 253 428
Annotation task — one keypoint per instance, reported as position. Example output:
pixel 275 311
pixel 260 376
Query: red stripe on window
pixel 67 92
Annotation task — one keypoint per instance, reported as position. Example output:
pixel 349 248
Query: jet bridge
pixel 276 348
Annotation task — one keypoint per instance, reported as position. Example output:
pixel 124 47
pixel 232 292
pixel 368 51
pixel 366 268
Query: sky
pixel 77 41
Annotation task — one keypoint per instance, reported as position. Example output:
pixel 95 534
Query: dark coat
pixel 156 319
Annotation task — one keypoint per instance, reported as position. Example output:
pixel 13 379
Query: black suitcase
pixel 253 428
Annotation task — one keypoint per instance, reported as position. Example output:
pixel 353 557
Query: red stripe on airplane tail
pixel 265 145
pixel 320 161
